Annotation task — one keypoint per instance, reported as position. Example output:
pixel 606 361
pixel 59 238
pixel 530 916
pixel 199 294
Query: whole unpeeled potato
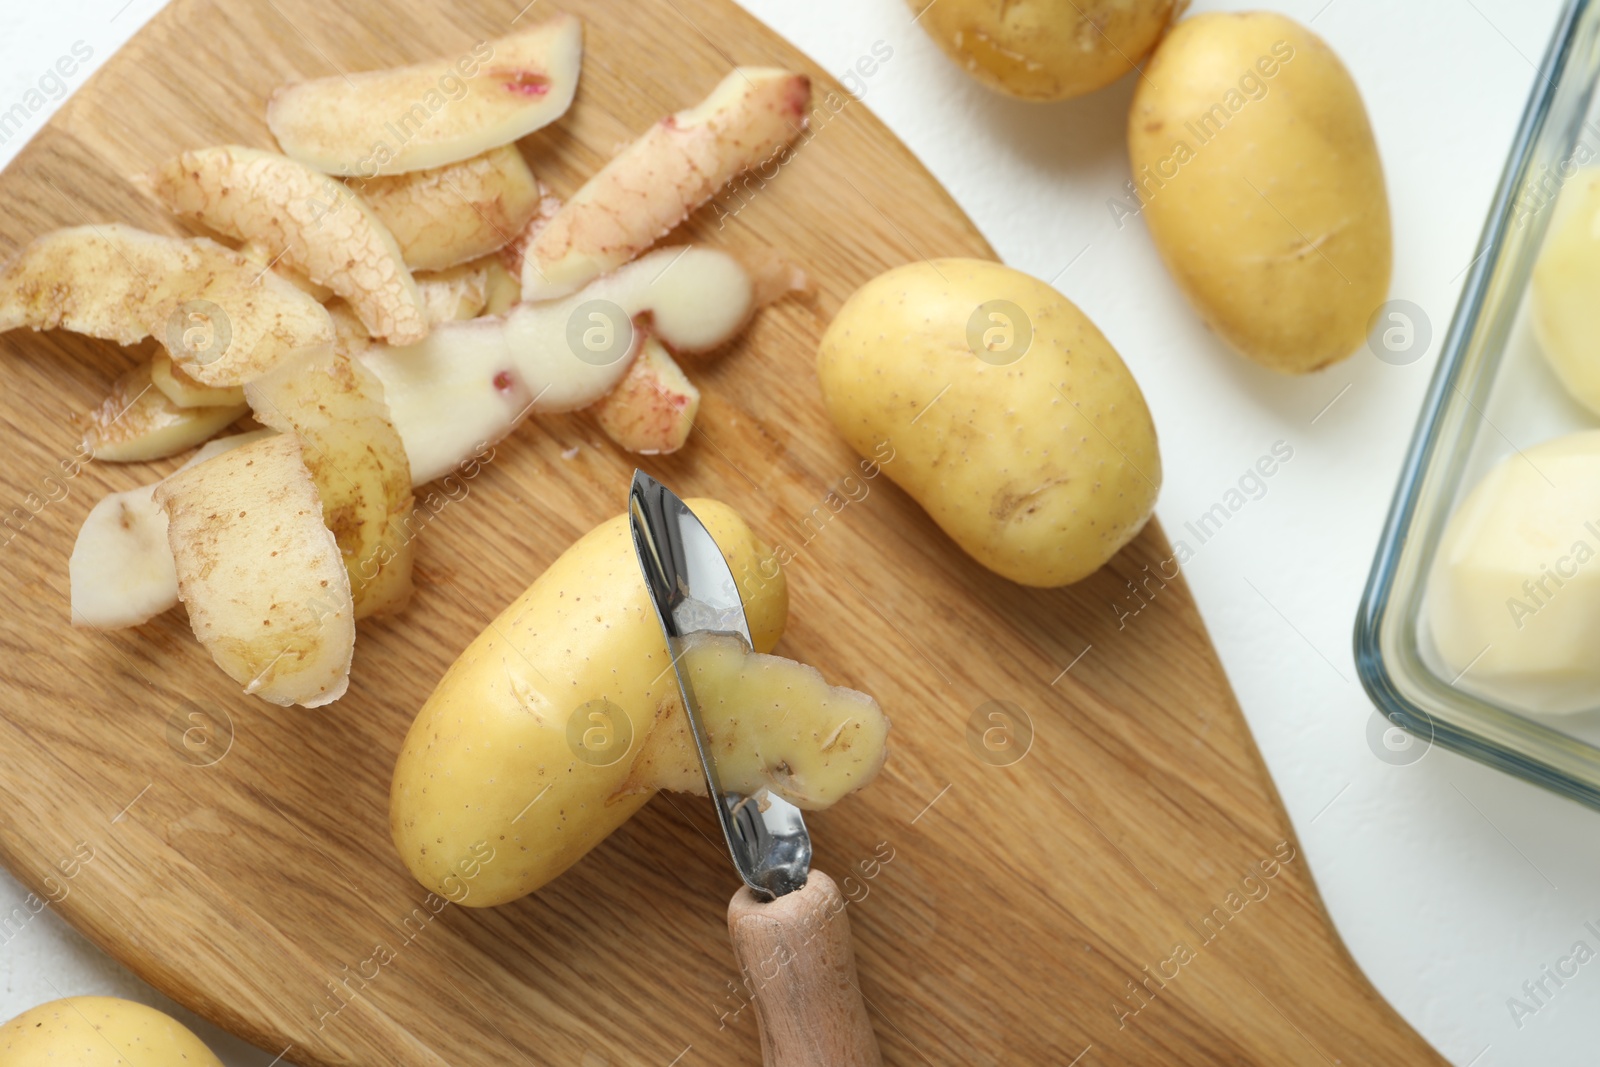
pixel 1046 49
pixel 997 404
pixel 1260 181
pixel 99 1032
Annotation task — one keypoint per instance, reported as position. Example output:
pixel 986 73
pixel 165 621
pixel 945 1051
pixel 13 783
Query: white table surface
pixel 1452 884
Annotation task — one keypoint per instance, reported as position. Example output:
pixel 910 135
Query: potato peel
pixel 773 724
pixel 137 422
pixel 358 463
pixel 222 319
pixel 318 225
pixel 658 180
pixel 433 113
pixel 652 410
pixel 261 575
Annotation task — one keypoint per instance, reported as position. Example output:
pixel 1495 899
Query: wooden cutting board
pixel 240 852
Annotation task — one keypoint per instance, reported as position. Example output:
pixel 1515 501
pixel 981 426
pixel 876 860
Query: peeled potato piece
pixel 336 407
pixel 1513 598
pixel 432 113
pixel 652 409
pixel 222 318
pixel 261 574
pixel 1562 305
pixel 121 570
pixel 452 214
pixel 655 183
pixel 138 422
pixel 318 225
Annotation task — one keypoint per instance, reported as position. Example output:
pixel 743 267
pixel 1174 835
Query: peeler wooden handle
pixel 797 958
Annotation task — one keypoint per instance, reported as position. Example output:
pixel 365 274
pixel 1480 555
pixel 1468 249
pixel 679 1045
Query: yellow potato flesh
pixel 1261 184
pixel 771 722
pixel 1513 599
pixel 1040 465
pixel 1564 311
pixel 520 749
pixel 99 1032
pixel 317 225
pixel 1044 49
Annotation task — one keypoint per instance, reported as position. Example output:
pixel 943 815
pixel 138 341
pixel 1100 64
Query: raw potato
pixel 472 382
pixel 261 575
pixel 185 392
pixel 137 422
pixel 1026 440
pixel 100 1032
pixel 318 225
pixel 121 571
pixel 1566 279
pixel 1513 599
pixel 652 410
pixel 520 748
pixel 452 214
pixel 221 318
pixel 434 113
pixel 1043 49
pixel 654 183
pixel 335 405
pixel 1262 187
pixel 746 699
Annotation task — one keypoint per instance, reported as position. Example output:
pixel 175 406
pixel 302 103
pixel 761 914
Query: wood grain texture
pixel 797 965
pixel 1021 913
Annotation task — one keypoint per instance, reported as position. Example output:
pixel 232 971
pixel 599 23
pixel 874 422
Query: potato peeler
pixel 790 933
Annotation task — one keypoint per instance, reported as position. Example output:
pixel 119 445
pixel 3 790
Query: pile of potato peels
pixel 388 296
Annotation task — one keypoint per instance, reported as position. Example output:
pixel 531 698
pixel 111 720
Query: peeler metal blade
pixel 694 592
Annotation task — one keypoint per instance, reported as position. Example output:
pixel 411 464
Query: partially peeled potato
pixel 563 718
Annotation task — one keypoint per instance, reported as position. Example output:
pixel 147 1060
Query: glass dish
pixel 1491 394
